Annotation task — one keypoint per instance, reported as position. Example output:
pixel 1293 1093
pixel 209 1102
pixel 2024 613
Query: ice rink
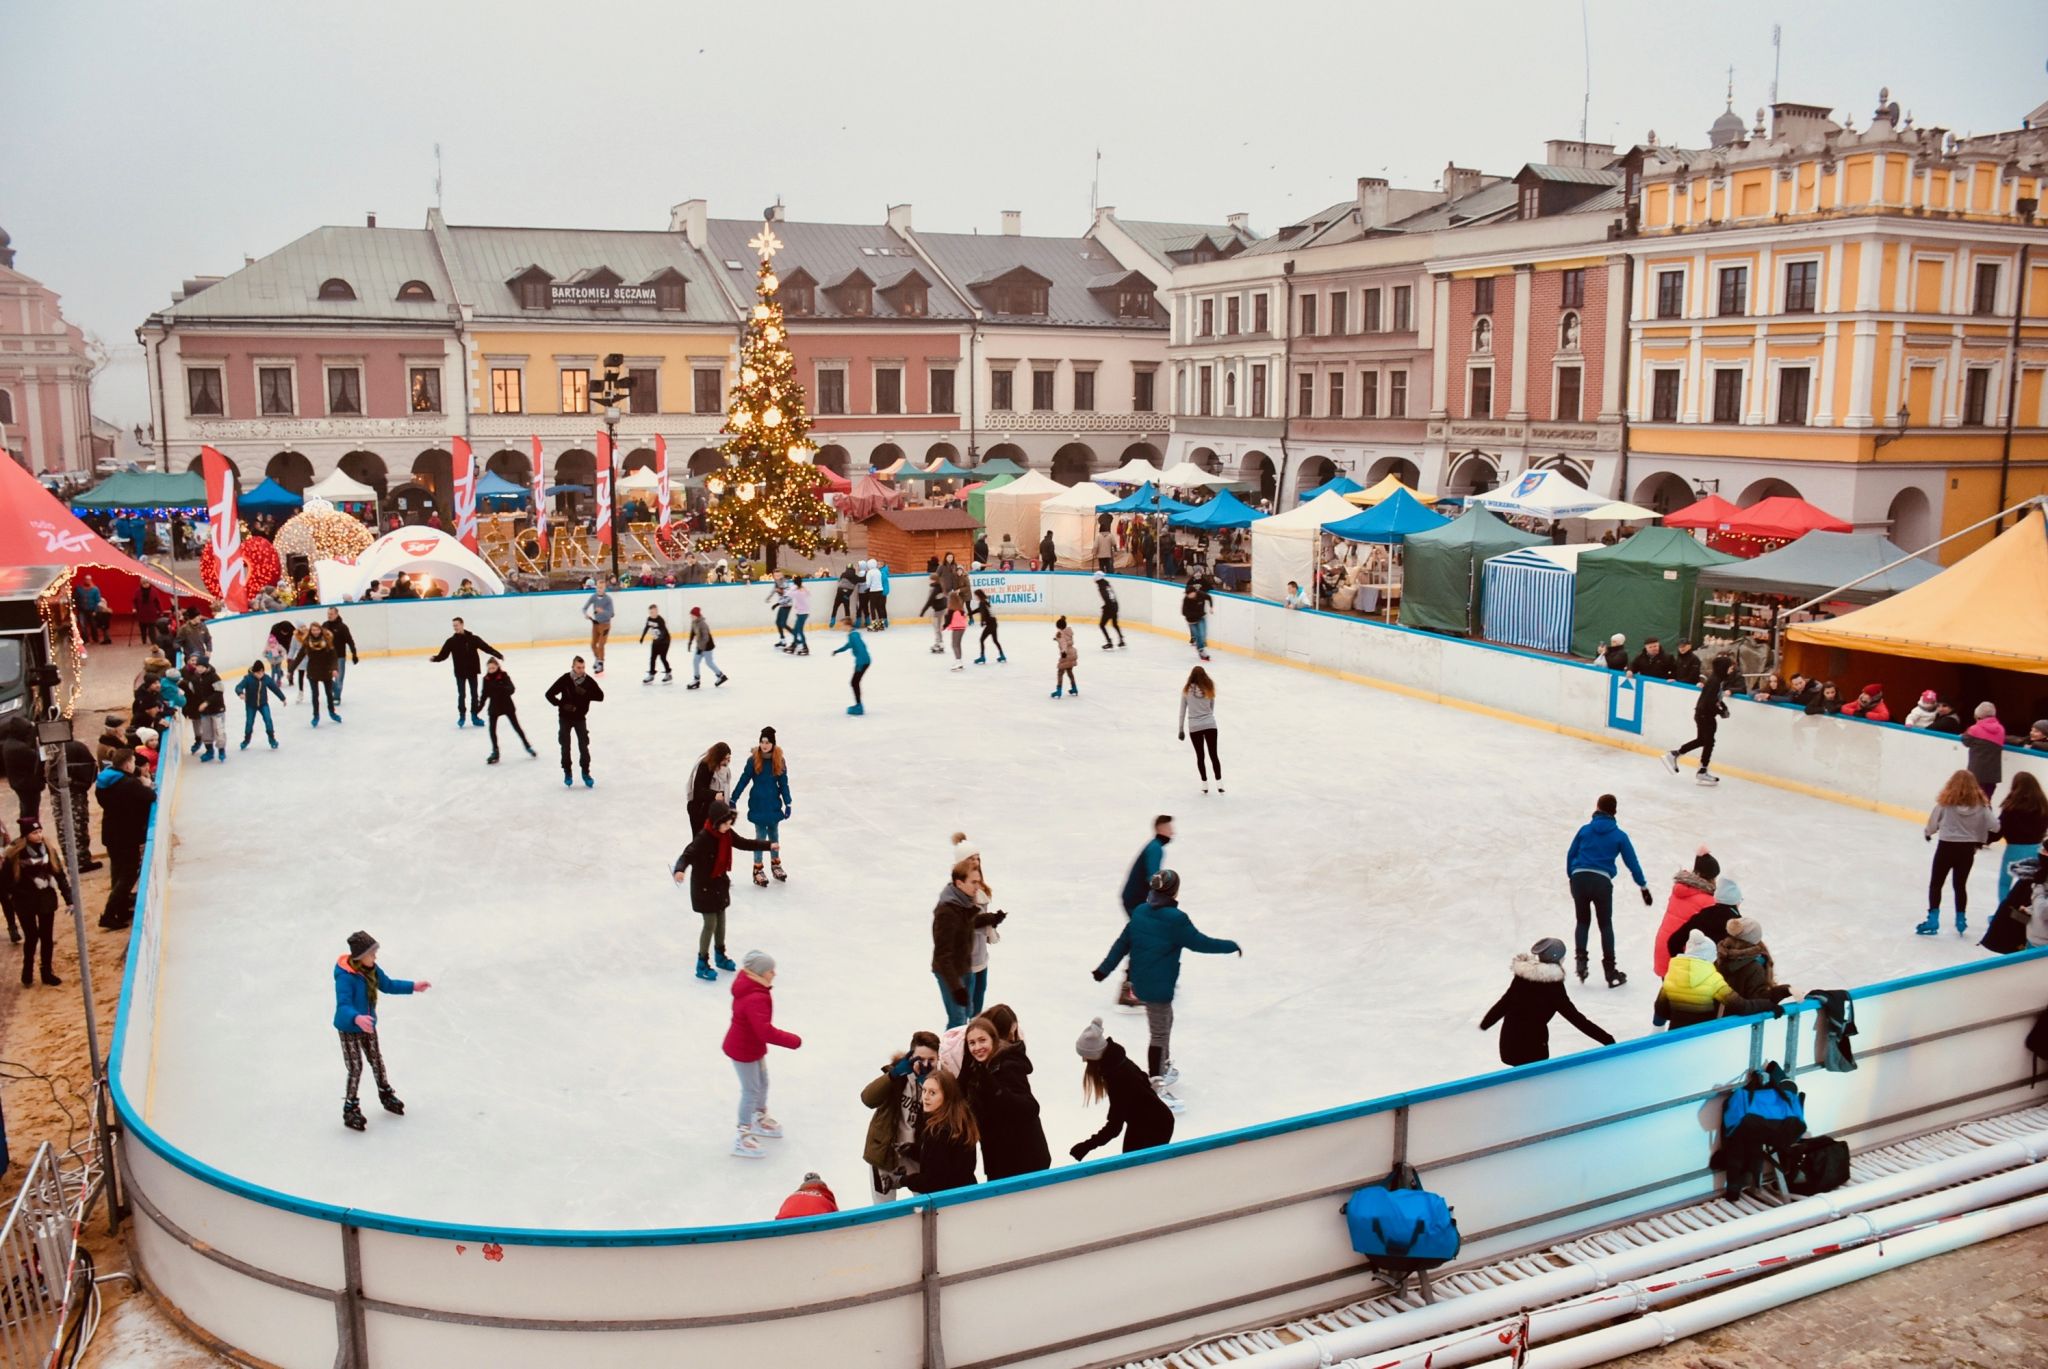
pixel 1380 859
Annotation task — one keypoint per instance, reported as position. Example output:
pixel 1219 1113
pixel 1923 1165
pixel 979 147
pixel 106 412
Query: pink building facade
pixel 45 378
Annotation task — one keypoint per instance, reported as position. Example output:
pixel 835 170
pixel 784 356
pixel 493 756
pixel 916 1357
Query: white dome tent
pixel 1285 546
pixel 415 551
pixel 1070 517
pixel 339 488
pixel 1013 509
pixel 1136 471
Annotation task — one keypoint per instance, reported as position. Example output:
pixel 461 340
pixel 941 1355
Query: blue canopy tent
pixel 1343 484
pixel 269 497
pixel 497 491
pixel 1226 510
pixel 1388 521
pixel 1145 499
pixel 554 490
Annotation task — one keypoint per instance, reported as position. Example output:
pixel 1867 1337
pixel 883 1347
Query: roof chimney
pixel 899 217
pixel 1241 222
pixel 1372 202
pixel 1459 181
pixel 1573 152
pixel 370 219
pixel 690 218
pixel 773 213
pixel 1013 223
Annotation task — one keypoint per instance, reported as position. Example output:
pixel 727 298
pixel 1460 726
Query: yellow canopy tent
pixel 1384 491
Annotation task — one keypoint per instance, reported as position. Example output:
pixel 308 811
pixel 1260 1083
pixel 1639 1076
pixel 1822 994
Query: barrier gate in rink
pixel 1085 1264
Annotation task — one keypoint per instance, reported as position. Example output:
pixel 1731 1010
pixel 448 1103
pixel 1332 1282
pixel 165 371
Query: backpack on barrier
pixel 1760 1120
pixel 1399 1225
pixel 1815 1165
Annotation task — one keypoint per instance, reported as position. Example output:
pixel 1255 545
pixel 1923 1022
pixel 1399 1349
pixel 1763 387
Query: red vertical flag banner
pixel 540 499
pixel 464 466
pixel 661 495
pixel 225 529
pixel 604 489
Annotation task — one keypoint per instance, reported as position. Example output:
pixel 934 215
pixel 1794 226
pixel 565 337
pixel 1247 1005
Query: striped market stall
pixel 1526 597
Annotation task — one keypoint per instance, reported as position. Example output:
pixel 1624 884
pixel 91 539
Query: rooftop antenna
pixel 1095 186
pixel 1586 38
pixel 1777 57
pixel 437 175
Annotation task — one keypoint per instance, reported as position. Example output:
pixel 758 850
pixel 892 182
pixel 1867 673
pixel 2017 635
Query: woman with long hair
pixel 710 778
pixel 996 1077
pixel 2022 822
pixel 955 614
pixel 1135 1109
pixel 1960 823
pixel 1198 721
pixel 768 771
pixel 946 1137
pixel 967 853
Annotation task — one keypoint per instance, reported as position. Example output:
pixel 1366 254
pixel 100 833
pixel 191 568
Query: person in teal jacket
pixel 859 647
pixel 768 807
pixel 1155 936
pixel 357 984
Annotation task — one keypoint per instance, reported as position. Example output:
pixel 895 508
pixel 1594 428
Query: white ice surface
pixel 1380 858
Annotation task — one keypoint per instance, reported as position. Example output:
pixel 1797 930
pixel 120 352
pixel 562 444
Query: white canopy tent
pixel 1284 547
pixel 1136 471
pixel 1542 494
pixel 421 551
pixel 642 479
pixel 1187 476
pixel 1013 509
pixel 1070 516
pixel 339 489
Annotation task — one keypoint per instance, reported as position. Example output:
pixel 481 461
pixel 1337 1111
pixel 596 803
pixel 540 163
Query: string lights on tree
pixel 769 494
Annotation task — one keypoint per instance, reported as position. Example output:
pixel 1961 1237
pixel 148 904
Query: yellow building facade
pixel 1857 317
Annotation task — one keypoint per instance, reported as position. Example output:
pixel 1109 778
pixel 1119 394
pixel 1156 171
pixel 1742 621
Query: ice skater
pixel 319 665
pixel 702 644
pixel 498 690
pixel 876 591
pixel 572 695
pixel 858 645
pixel 345 654
pixel 1707 713
pixel 357 984
pixel 987 614
pixel 710 781
pixel 1109 617
pixel 467 651
pixel 209 704
pixel 747 1040
pixel 958 915
pixel 1198 721
pixel 1535 994
pixel 1589 867
pixel 768 771
pixel 657 625
pixel 598 609
pixel 1151 860
pixel 956 626
pixel 1136 1110
pixel 778 595
pixel 843 591
pixel 1962 820
pixel 799 614
pixel 1063 672
pixel 935 604
pixel 1153 939
pixel 1194 607
pixel 254 689
pixel 706 865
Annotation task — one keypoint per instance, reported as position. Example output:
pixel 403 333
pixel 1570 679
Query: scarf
pixel 721 864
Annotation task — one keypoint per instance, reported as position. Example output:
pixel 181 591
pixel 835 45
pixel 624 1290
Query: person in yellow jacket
pixel 1694 991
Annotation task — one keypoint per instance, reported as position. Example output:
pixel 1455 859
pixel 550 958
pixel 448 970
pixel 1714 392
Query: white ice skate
pixel 1166 1096
pixel 746 1147
pixel 1670 760
pixel 1707 777
pixel 1168 1077
pixel 767 1126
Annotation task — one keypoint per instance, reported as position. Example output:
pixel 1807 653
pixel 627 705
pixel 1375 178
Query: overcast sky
pixel 146 142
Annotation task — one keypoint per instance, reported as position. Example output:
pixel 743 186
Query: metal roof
pixel 1163 239
pixel 486 258
pixel 1573 175
pixel 1071 264
pixel 1487 202
pixel 928 520
pixel 286 283
pixel 1306 229
pixel 828 252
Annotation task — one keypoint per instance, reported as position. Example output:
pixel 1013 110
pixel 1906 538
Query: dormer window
pixel 1021 299
pixel 1019 290
pixel 910 300
pixel 1135 304
pixel 530 288
pixel 798 292
pixel 416 290
pixel 857 300
pixel 669 288
pixel 336 288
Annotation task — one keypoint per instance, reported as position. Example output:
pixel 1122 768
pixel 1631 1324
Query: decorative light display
pixel 771 495
pixel 258 553
pixel 322 533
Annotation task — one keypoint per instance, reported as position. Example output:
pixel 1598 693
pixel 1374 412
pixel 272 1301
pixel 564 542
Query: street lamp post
pixel 611 389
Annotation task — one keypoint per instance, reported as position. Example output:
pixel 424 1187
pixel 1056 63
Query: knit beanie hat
pixel 1166 884
pixel 1727 891
pixel 768 735
pixel 811 1176
pixel 1705 866
pixel 1092 1042
pixel 963 849
pixel 359 942
pixel 1747 930
pixel 1549 950
pixel 1617 639
pixel 696 612
pixel 1698 946
pixel 147 735
pixel 1987 709
pixel 757 962
pixel 1928 698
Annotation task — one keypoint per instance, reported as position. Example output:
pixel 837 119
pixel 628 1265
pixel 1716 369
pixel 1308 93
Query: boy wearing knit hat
pixel 813 1198
pixel 701 645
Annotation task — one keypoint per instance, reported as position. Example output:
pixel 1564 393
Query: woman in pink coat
pixel 747 1040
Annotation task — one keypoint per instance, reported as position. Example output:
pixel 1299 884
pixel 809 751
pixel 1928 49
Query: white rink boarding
pixel 1086 1264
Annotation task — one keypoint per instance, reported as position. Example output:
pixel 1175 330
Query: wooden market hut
pixel 905 539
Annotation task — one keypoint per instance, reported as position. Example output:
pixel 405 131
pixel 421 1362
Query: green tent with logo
pixel 1645 587
pixel 1440 569
pixel 974 504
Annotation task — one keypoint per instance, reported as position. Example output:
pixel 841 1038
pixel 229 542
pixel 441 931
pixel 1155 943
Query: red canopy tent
pixel 835 483
pixel 1710 513
pixel 1785 517
pixel 36 530
pixel 868 497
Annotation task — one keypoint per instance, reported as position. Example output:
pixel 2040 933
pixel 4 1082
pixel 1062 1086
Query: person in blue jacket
pixel 357 983
pixel 1138 882
pixel 1589 865
pixel 769 806
pixel 859 647
pixel 1153 939
pixel 254 689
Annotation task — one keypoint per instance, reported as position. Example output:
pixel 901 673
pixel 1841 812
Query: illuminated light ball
pixel 741 418
pixel 321 533
pixel 771 417
pixel 265 568
pixel 746 494
pixel 715 486
pixel 760 311
pixel 769 283
pixel 772 334
pixel 782 355
pixel 748 375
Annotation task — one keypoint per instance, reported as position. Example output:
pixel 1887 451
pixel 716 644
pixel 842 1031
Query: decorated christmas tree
pixel 768 493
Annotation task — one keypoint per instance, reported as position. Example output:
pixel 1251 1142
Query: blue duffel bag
pixel 1398 1224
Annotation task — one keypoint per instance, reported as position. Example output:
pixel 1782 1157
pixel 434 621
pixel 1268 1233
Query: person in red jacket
pixel 1869 704
pixel 747 1040
pixel 1691 892
pixel 811 1199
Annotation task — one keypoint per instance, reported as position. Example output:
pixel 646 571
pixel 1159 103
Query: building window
pixel 1368 394
pixel 1001 385
pixel 1308 315
pixel 6 406
pixel 344 390
pixel 645 385
pixel 1572 288
pixel 1230 392
pixel 1305 400
pixel 1482 335
pixel 1976 393
pixel 337 288
pixel 1404 315
pixel 1532 202
pixel 1482 295
pixel 533 294
pixel 1340 313
pixel 1144 383
pixel 831 390
pixel 1041 391
pixel 1134 304
pixel 1727 395
pixel 1084 392
pixel 203 396
pixel 942 390
pixel 1802 286
pixel 1664 396
pixel 1731 299
pixel 576 392
pixel 1261 320
pixel 416 290
pixel 1233 316
pixel 707 391
pixel 1670 294
pixel 668 294
pixel 1258 390
pixel 1987 288
pixel 1370 314
pixel 1568 331
pixel 1337 394
pixel 1482 392
pixel 1205 388
pixel 1022 299
pixel 423 389
pixel 274 390
pixel 1793 384
pixel 798 299
pixel 888 389
pixel 1568 394
pixel 506 397
pixel 1208 318
pixel 1397 394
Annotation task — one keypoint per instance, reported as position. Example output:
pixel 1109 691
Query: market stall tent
pixel 1070 517
pixel 998 465
pixel 977 495
pixel 1136 471
pixel 1187 476
pixel 867 497
pixel 1527 596
pixel 1542 494
pixel 1821 563
pixel 1286 546
pixel 145 490
pixel 1784 516
pixel 1343 484
pixel 1389 522
pixel 496 491
pixel 1225 511
pixel 339 489
pixel 1147 499
pixel 1645 587
pixel 268 497
pixel 1013 510
pixel 1389 484
pixel 36 530
pixel 418 551
pixel 1441 579
pixel 1709 513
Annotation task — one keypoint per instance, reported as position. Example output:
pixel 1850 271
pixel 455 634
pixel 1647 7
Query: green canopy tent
pixel 995 466
pixel 1440 569
pixel 1645 587
pixel 145 490
pixel 974 500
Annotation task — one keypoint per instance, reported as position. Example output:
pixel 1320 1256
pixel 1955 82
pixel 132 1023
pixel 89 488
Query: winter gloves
pixel 1648 898
pixel 1079 1151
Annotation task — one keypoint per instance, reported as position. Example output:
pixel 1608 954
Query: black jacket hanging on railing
pixel 1836 1024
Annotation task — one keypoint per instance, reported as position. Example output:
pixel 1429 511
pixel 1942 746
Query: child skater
pixel 657 625
pixel 1064 675
pixel 706 865
pixel 957 619
pixel 988 629
pixel 357 983
pixel 254 687
pixel 497 694
pixel 858 645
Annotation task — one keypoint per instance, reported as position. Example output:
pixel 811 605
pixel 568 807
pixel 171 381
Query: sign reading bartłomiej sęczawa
pixel 559 293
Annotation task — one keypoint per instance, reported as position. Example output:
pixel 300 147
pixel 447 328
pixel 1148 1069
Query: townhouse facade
pixel 46 369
